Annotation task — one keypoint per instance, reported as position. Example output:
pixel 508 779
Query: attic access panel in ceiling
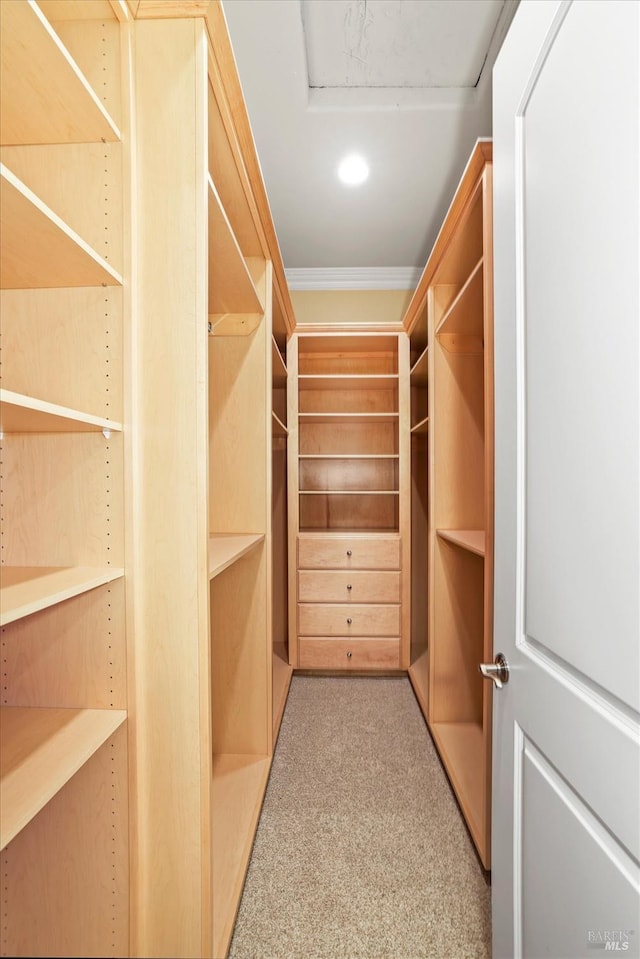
pixel 417 44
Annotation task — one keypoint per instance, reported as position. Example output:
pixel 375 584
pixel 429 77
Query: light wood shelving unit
pixel 348 469
pixel 450 319
pixel 64 400
pixel 211 659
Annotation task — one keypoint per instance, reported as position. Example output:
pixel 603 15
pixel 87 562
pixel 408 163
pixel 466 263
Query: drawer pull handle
pixel 349 586
pixel 348 552
pixel 349 621
pixel 349 654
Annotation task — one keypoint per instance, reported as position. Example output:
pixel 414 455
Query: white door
pixel 566 781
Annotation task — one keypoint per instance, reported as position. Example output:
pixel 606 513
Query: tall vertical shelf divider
pixel 457 288
pixel 63 408
pixel 215 311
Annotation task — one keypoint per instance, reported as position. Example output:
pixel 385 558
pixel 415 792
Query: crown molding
pixel 354 278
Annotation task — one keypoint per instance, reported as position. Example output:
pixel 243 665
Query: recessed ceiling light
pixel 353 170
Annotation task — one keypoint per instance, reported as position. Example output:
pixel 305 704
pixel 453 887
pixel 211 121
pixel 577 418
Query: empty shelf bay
pixel 41 751
pixel 226 548
pixel 39 249
pixel 27 589
pixel 472 540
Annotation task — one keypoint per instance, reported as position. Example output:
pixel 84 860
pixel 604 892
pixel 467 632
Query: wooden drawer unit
pixel 348 552
pixel 340 620
pixel 358 653
pixel 348 586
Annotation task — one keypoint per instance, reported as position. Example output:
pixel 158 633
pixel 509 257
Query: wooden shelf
pixel 348 418
pixel 278 427
pixel 239 783
pixel 462 750
pixel 337 381
pixel 45 98
pixel 39 249
pixel 234 305
pixel 281 679
pixel 349 456
pixel 41 751
pixel 472 540
pixel 349 492
pixel 420 369
pixel 278 367
pixel 461 329
pixel 25 414
pixel 28 589
pixel 422 426
pixel 226 548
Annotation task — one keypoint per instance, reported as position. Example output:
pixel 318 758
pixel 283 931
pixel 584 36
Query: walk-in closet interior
pixel 199 495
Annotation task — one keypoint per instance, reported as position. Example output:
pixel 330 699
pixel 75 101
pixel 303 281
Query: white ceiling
pixel 404 83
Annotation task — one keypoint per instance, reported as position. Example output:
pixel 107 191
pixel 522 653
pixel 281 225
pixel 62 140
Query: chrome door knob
pixel 498 671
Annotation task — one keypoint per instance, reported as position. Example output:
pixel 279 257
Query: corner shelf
pixel 45 96
pixel 41 751
pixel 421 427
pixel 472 540
pixel 39 249
pixel 26 414
pixel 234 305
pixel 461 328
pixel 278 367
pixel 278 427
pixel 226 548
pixel 28 589
pixel 420 369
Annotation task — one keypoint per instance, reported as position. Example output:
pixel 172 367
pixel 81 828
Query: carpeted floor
pixel 361 851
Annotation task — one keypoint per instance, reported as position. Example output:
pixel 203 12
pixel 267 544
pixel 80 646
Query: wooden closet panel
pixel 239 612
pixel 65 888
pixel 458 436
pixel 238 428
pixel 65 346
pixel 72 654
pixel 348 401
pixel 172 760
pixel 349 474
pixel 63 500
pixel 349 438
pixel 459 627
pixel 349 512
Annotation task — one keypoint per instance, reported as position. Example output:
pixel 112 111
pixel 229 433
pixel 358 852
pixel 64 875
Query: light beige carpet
pixel 361 851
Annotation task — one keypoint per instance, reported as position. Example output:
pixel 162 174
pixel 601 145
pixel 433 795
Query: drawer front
pixel 357 586
pixel 327 653
pixel 343 620
pixel 348 552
